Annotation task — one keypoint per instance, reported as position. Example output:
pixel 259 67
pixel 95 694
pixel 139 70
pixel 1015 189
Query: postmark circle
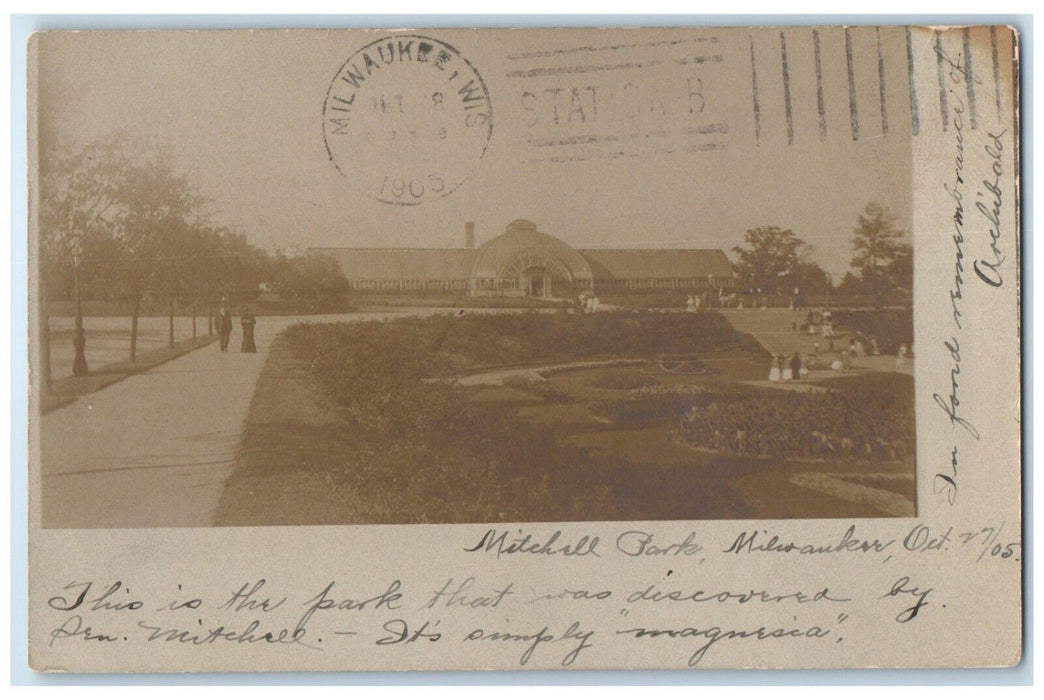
pixel 407 119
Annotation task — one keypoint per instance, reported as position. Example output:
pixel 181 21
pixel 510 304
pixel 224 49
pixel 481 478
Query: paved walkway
pixel 775 330
pixel 155 449
pixel 499 376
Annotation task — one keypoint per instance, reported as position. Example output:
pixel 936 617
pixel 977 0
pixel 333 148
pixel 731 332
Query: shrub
pixel 622 381
pixel 861 423
pixel 652 403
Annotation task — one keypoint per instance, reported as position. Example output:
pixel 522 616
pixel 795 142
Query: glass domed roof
pixel 522 246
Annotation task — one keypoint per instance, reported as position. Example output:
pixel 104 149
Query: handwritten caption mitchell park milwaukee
pixel 677 609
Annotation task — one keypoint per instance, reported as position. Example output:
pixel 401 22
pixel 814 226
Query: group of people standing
pixel 824 319
pixel 587 304
pixel 787 368
pixel 224 330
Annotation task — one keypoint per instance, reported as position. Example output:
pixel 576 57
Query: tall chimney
pixel 469 235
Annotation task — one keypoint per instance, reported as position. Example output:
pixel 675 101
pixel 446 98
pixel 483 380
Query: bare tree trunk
pixel 79 337
pixel 170 323
pixel 134 327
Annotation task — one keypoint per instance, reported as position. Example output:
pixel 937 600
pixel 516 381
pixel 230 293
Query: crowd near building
pixel 524 261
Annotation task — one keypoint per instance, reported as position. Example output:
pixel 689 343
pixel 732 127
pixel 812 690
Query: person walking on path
pixel 224 328
pixel 248 322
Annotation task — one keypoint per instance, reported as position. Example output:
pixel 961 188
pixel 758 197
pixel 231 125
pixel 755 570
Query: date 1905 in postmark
pixel 407 119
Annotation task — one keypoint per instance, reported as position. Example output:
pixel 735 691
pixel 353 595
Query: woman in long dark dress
pixel 248 322
pixel 795 366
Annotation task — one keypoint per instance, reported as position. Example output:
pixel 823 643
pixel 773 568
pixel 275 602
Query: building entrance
pixel 536 282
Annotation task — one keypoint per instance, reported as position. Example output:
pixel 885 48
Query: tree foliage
pixel 118 216
pixel 882 257
pixel 79 209
pixel 309 281
pixel 772 258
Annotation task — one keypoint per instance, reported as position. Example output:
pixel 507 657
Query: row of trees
pixel 775 259
pixel 119 223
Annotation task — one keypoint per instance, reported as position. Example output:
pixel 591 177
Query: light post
pixel 79 337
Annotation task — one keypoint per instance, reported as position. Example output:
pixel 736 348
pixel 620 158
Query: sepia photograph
pixel 383 298
pixel 541 348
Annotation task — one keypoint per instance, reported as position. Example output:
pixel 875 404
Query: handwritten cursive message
pixel 669 606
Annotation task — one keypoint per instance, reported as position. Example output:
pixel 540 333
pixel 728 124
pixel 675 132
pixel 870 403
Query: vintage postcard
pixel 403 349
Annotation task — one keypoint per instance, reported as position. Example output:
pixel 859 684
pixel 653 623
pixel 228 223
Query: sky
pixel 632 139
